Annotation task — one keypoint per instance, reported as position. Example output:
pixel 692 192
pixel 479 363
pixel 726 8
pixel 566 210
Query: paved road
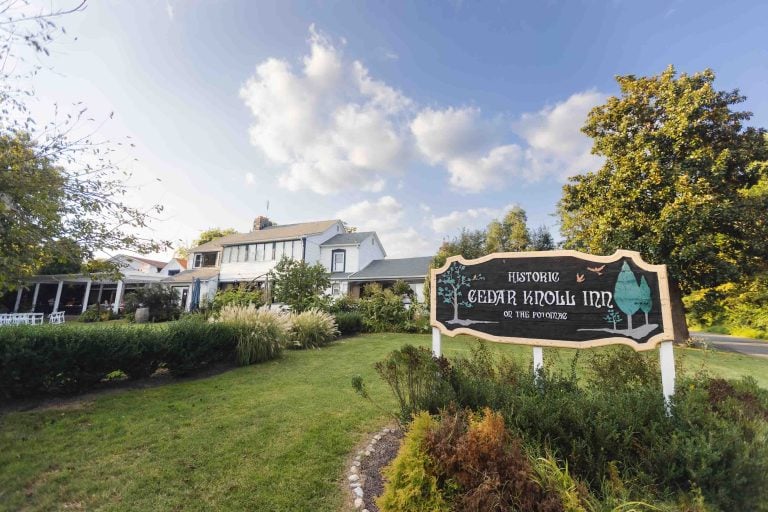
pixel 748 346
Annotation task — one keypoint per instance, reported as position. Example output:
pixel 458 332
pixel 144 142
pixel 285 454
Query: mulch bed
pixel 370 467
pixel 160 378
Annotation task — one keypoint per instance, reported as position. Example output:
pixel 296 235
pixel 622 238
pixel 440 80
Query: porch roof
pixel 187 276
pixel 393 269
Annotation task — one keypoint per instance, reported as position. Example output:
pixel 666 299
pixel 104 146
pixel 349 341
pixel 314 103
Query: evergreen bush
pixel 349 322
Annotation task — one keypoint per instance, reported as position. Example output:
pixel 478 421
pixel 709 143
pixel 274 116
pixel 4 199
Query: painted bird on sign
pixel 597 270
pixel 579 278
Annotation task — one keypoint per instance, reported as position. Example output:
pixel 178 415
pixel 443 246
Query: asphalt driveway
pixel 747 346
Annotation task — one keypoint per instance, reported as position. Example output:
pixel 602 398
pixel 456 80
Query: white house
pixel 247 258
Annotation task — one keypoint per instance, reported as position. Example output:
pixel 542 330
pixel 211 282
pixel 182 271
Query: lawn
pixel 274 436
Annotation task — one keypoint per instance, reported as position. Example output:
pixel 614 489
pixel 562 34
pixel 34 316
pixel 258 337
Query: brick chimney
pixel 261 222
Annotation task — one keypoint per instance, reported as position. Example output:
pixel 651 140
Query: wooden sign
pixel 554 298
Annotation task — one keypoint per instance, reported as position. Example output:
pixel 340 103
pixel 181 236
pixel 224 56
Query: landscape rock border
pixel 364 480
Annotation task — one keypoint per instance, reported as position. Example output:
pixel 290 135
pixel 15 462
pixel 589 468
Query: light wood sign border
pixel 668 333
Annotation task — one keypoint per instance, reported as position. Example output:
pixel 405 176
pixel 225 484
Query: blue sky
pixel 413 119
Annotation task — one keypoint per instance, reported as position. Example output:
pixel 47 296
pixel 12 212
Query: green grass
pixel 273 436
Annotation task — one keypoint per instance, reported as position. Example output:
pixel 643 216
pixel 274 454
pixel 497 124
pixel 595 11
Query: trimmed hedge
pixel 349 322
pixel 62 359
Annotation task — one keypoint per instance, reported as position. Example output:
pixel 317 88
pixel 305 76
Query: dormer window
pixel 338 260
pixel 205 259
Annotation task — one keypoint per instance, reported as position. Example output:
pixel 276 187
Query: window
pixel 209 259
pixel 338 258
pixel 198 260
pixel 251 253
pixel 336 289
pixel 227 254
pixel 173 272
pixel 297 249
pixel 279 250
pixel 271 251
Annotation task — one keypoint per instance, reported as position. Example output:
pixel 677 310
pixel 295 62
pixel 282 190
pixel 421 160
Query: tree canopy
pixel 510 234
pixel 298 284
pixel 684 181
pixel 59 188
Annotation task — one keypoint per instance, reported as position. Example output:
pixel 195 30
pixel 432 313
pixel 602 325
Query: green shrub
pixel 312 329
pixel 401 288
pixel 710 454
pixel 411 482
pixel 261 333
pixel 419 381
pixel 56 359
pixel 348 323
pixel 239 296
pixel 382 310
pixel 192 344
pixel 97 313
pixel 162 301
pixel 59 359
pixel 344 304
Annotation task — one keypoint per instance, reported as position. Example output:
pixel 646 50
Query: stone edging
pixel 355 478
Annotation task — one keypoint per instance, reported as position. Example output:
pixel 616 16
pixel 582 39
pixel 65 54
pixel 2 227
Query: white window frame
pixel 334 254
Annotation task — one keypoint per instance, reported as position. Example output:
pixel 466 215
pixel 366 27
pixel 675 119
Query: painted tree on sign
pixel 645 301
pixel 451 286
pixel 627 293
pixel 613 316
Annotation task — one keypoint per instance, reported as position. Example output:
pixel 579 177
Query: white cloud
pixel 170 11
pixel 250 179
pixel 386 217
pixel 462 141
pixel 408 243
pixel 556 145
pixel 329 125
pixel 473 218
pixel 382 215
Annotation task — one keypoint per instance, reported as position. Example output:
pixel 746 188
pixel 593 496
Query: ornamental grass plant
pixel 261 332
pixel 312 329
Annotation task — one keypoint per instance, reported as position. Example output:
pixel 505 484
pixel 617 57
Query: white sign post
pixel 667 360
pixel 436 341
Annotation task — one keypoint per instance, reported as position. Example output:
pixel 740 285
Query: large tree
pixel 683 183
pixel 510 234
pixel 57 183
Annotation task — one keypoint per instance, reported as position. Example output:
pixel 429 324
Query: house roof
pixel 154 263
pixel 348 238
pixel 187 276
pixel 399 268
pixel 284 232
